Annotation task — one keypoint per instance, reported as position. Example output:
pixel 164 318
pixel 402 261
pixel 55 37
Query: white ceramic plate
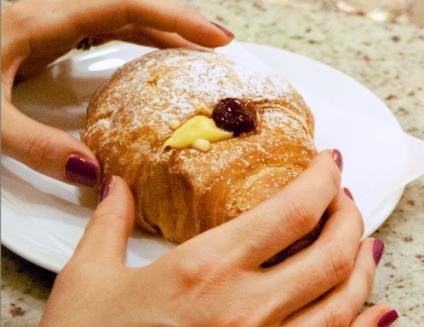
pixel 43 219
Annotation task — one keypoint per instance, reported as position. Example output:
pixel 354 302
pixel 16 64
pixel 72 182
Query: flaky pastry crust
pixel 180 193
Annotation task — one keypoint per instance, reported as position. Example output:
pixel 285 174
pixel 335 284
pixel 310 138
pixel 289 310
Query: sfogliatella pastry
pixel 198 137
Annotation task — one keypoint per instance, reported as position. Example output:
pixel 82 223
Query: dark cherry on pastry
pixel 235 115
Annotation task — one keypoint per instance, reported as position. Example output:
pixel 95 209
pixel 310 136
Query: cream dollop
pixel 195 129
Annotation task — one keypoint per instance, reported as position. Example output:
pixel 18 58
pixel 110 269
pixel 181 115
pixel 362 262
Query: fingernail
pixel 337 157
pixel 348 193
pixel 226 31
pixel 388 318
pixel 81 170
pixel 377 250
pixel 105 188
pixel 84 44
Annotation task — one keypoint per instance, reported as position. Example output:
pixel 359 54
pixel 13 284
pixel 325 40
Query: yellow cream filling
pixel 195 132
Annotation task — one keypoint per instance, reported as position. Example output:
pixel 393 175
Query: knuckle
pixel 244 317
pixel 193 271
pixel 111 218
pixel 337 317
pixel 189 10
pixel 35 150
pixel 190 273
pixel 334 178
pixel 361 224
pixel 340 262
pixel 236 321
pixel 369 274
pixel 369 282
pixel 360 220
pixel 303 216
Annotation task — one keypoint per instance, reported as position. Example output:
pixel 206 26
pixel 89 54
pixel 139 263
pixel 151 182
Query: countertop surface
pixel 387 58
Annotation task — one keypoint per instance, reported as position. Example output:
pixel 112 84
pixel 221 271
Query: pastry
pixel 199 137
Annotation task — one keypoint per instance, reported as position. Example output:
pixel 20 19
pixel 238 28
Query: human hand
pixel 215 279
pixel 36 32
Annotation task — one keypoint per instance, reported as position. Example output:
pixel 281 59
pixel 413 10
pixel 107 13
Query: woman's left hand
pixel 36 32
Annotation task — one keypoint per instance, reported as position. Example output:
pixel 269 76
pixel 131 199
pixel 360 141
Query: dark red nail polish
pixel 338 158
pixel 105 188
pixel 226 31
pixel 377 250
pixel 81 170
pixel 387 319
pixel 348 193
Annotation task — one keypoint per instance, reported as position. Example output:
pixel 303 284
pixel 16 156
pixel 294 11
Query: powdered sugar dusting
pixel 171 84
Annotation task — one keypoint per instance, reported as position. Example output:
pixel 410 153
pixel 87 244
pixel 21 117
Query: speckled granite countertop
pixel 386 58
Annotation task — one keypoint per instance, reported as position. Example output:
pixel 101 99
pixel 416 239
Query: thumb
pixel 106 234
pixel 377 315
pixel 47 150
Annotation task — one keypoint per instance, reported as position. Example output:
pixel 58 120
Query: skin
pixel 31 40
pixel 214 279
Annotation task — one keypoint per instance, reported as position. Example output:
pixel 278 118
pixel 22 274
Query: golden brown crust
pixel 180 193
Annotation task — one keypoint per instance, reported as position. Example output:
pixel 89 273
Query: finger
pixel 161 39
pixel 126 33
pixel 276 223
pixel 97 41
pixel 342 304
pixel 147 36
pixel 323 265
pixel 378 315
pixel 46 37
pixel 106 234
pixel 93 18
pixel 47 150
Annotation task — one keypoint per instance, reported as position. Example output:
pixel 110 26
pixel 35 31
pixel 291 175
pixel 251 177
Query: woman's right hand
pixel 215 279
